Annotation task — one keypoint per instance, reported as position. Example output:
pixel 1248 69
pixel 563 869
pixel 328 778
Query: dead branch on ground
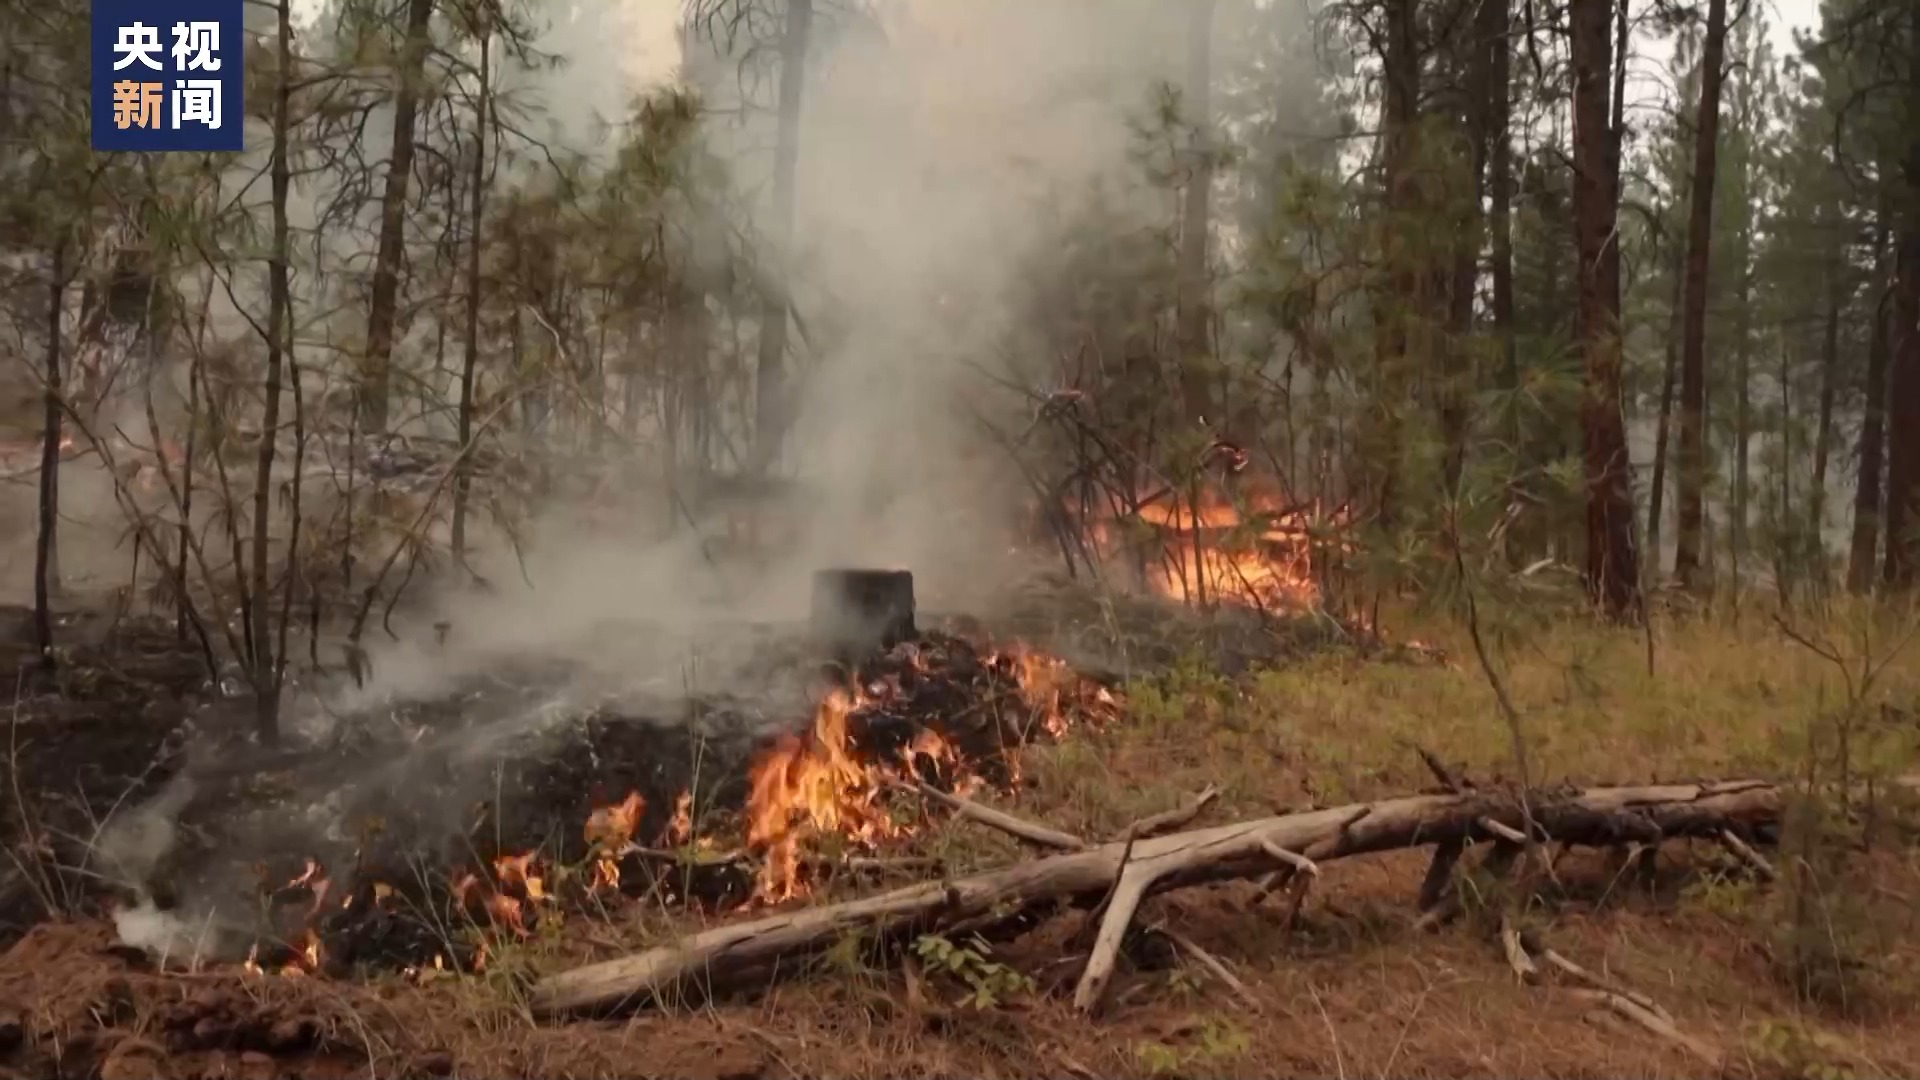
pixel 1127 872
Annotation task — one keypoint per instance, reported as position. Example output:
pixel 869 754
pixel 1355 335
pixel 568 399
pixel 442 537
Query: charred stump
pixel 858 611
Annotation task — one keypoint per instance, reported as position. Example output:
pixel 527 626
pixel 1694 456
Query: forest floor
pixel 1818 980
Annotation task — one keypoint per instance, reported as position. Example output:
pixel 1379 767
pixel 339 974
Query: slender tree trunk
pixel 264 664
pixel 1693 356
pixel 1829 383
pixel 1903 390
pixel 1195 313
pixel 1656 498
pixel 196 381
pixel 1499 18
pixel 1618 125
pixel 46 570
pixel 1476 118
pixel 383 308
pixel 1612 568
pixel 470 361
pixel 1903 419
pixel 1742 413
pixel 1404 299
pixel 1783 558
pixel 771 404
pixel 1863 552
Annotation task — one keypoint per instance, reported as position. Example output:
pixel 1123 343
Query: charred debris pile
pixel 424 833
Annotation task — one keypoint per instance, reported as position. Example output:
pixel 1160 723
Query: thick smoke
pixel 938 143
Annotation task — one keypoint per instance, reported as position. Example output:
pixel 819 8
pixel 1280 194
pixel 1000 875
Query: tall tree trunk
pixel 693 339
pixel 1863 552
pixel 1195 314
pixel 1403 299
pixel 1617 126
pixel 1498 16
pixel 470 360
pixel 1783 557
pixel 264 664
pixel 376 376
pixel 1693 356
pixel 1903 390
pixel 1612 569
pixel 1742 411
pixel 770 403
pixel 1829 385
pixel 1657 497
pixel 46 570
pixel 1477 120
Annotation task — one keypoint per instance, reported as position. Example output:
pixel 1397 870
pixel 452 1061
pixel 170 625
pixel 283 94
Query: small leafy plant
pixel 989 983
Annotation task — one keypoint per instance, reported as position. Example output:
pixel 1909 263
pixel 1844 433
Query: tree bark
pixel 1195 316
pixel 46 572
pixel 1657 496
pixel 1403 300
pixel 1602 817
pixel 1612 568
pixel 1692 459
pixel 262 661
pixel 1498 40
pixel 1829 387
pixel 376 376
pixel 1903 390
pixel 1863 553
pixel 1476 58
pixel 470 360
pixel 1742 412
pixel 770 402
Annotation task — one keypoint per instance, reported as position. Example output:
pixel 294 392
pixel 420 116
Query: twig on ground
pixel 1745 853
pixel 1503 831
pixel 1597 982
pixel 1029 831
pixel 1214 965
pixel 1440 771
pixel 1179 817
pixel 1629 1009
pixel 1517 957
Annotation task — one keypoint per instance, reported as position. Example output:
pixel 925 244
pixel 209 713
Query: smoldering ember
pixel 876 538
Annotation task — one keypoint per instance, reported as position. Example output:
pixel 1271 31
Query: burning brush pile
pixel 615 807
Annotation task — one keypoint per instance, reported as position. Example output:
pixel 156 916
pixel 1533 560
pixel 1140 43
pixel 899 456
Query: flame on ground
pixel 818 784
pixel 818 788
pixel 1254 548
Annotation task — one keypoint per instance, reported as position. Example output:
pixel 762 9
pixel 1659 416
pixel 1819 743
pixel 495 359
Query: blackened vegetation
pixel 406 842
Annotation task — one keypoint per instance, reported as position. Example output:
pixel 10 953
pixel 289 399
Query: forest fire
pixel 831 782
pixel 939 711
pixel 1254 549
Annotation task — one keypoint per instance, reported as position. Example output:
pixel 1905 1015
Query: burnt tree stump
pixel 858 611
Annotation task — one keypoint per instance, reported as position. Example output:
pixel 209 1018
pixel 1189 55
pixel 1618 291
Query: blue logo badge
pixel 167 75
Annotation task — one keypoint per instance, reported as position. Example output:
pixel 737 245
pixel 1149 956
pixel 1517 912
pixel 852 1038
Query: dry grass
pixel 1354 991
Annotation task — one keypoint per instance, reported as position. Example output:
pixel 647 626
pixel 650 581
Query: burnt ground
pixel 174 808
pixel 1353 990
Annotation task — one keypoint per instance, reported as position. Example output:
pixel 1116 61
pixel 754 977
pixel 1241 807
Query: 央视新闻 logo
pixel 167 75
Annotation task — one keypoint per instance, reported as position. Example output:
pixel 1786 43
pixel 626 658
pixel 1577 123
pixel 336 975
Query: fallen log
pixel 1126 872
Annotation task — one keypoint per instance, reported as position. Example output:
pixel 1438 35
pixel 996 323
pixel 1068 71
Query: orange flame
pixel 817 783
pixel 811 783
pixel 823 783
pixel 1255 551
pixel 680 826
pixel 612 827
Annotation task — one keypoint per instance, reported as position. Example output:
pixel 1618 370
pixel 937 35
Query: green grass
pixel 1725 699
